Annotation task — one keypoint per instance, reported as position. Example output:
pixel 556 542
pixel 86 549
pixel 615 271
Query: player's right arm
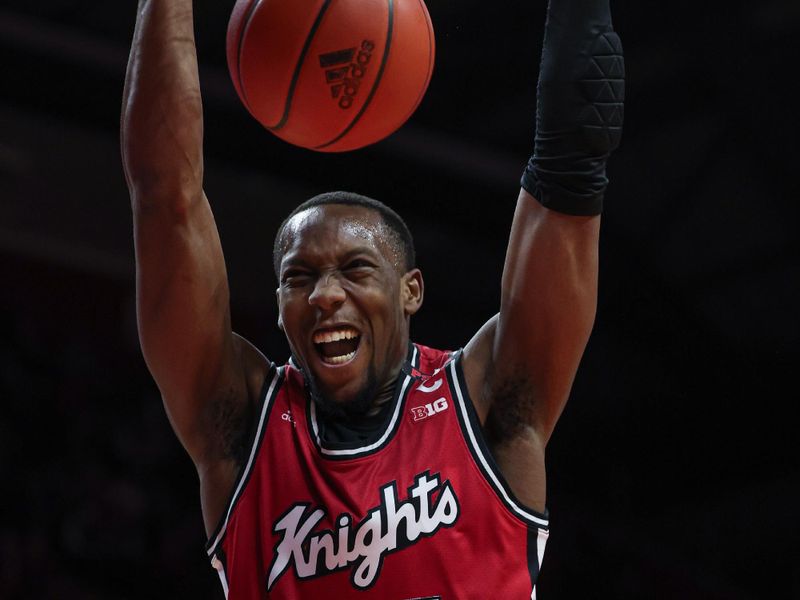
pixel 208 376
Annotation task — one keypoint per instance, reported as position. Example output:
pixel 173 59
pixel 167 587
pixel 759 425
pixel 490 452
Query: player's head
pixel 347 287
pixel 401 238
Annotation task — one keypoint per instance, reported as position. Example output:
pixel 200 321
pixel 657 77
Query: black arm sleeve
pixel 579 107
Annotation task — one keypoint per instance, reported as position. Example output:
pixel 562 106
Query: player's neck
pixel 385 393
pixel 383 397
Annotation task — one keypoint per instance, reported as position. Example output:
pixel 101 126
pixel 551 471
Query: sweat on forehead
pixel 354 222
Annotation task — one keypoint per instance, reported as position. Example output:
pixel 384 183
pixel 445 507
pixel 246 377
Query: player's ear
pixel 412 290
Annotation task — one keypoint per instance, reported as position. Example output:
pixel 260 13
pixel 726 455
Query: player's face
pixel 345 302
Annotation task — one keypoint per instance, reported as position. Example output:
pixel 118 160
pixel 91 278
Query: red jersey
pixel 420 513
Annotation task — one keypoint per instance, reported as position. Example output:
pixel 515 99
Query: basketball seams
pixel 240 45
pixel 299 67
pixel 431 54
pixel 376 83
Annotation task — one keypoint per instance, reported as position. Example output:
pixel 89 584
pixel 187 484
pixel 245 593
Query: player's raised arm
pixel 549 286
pixel 205 373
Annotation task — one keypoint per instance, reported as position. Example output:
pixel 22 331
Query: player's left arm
pixel 521 365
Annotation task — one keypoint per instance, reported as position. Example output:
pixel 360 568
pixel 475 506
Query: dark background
pixel 673 471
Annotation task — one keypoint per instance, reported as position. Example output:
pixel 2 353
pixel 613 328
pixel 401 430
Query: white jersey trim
pixel 377 444
pixel 478 453
pixel 269 398
pixel 217 564
pixel 541 542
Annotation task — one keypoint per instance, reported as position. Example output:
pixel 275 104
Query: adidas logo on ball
pixel 344 70
pixel 338 81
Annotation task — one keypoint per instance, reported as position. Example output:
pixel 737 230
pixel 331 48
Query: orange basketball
pixel 330 75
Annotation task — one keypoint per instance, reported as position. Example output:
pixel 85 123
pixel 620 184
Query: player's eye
pixel 358 268
pixel 358 263
pixel 294 277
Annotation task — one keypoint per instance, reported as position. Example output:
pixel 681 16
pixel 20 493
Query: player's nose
pixel 327 294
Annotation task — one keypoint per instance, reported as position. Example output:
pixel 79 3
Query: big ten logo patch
pixel 344 70
pixel 429 409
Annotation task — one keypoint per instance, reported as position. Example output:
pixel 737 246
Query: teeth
pixel 338 360
pixel 325 337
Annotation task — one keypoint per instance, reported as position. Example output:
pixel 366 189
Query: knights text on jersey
pixel 420 513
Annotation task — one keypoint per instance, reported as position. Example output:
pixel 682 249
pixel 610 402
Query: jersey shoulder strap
pixel 269 390
pixel 473 435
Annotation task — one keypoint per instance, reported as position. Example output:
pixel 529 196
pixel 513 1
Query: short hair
pixel 402 240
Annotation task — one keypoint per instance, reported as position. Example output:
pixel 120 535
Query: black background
pixel 673 472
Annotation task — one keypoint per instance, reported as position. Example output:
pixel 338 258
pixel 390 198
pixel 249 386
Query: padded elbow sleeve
pixel 579 107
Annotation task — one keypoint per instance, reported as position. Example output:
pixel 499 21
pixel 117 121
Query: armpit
pixel 512 408
pixel 230 426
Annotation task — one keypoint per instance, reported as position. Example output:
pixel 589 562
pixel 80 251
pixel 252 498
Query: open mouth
pixel 337 346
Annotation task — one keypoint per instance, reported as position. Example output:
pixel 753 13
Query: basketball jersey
pixel 422 512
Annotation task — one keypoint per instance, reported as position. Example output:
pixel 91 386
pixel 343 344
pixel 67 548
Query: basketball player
pixel 369 466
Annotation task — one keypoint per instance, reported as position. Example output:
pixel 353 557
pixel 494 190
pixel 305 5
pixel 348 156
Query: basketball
pixel 330 75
